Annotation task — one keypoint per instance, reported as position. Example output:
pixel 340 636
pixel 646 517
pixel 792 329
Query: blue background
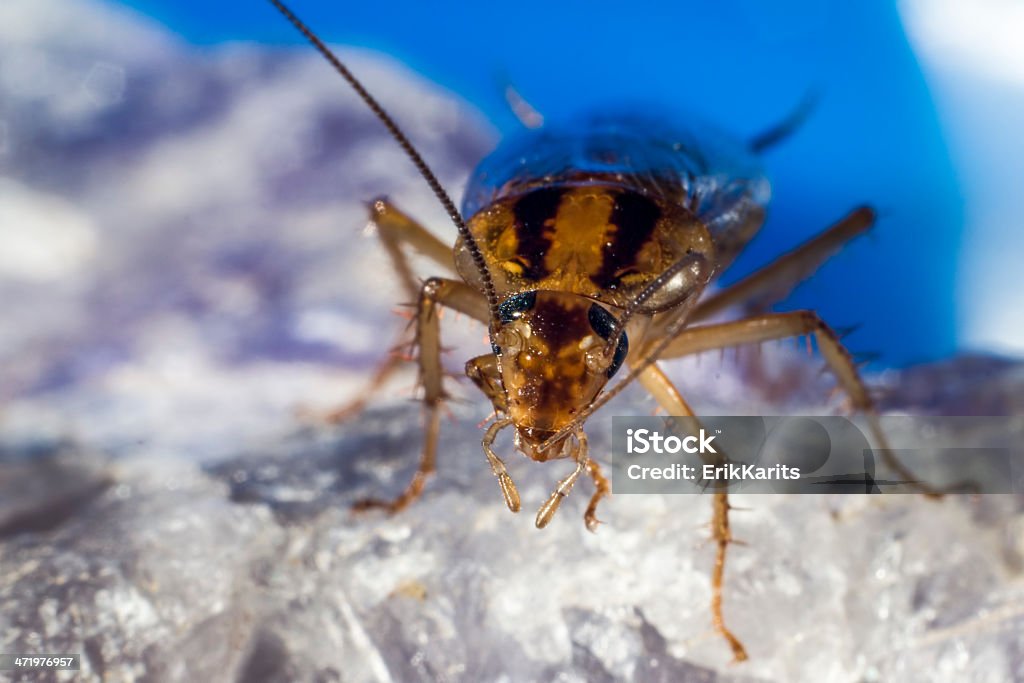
pixel 743 64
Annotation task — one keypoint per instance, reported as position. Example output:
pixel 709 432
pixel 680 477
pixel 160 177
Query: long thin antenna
pixel 410 151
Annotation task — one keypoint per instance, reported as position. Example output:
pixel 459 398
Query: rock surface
pixel 253 568
pixel 186 269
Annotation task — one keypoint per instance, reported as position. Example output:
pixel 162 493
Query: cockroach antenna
pixel 687 262
pixel 410 151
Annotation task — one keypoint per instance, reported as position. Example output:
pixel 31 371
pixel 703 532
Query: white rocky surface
pixel 183 265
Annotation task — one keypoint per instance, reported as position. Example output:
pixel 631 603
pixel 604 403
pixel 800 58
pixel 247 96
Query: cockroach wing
pixel 690 172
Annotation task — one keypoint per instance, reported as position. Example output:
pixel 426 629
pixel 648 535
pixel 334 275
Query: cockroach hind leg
pixel 344 412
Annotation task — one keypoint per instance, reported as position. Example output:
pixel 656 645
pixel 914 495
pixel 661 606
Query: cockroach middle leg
pixel 657 383
pixel 427 466
pixel 436 292
pixel 773 326
pixel 668 397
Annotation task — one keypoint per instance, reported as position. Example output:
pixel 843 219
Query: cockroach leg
pixel 384 370
pixel 484 373
pixel 772 326
pixel 398 233
pixel 658 385
pixel 434 293
pixel 426 468
pixel 722 536
pixel 776 280
pixel 602 488
pixel 665 393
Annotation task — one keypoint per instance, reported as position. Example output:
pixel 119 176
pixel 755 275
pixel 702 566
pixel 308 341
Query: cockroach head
pixel 551 350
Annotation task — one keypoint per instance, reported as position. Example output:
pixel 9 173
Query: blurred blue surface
pixel 873 137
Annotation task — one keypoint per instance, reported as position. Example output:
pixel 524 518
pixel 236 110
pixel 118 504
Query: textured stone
pixel 164 513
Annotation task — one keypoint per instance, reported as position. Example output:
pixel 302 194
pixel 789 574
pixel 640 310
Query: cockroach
pixel 588 251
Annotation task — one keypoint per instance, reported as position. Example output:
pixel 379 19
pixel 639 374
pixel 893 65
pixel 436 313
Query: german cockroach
pixel 587 252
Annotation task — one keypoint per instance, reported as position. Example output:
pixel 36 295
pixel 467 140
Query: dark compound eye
pixel 602 322
pixel 517 304
pixel 513 308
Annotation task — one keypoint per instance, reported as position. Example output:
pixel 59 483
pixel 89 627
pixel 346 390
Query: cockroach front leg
pixel 602 489
pixel 398 234
pixel 721 534
pixel 434 293
pixel 668 397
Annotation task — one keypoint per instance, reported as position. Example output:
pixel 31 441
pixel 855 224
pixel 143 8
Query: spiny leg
pixel 548 509
pixel 380 376
pixel 657 383
pixel 665 393
pixel 427 466
pixel 776 280
pixel 435 293
pixel 602 489
pixel 398 233
pixel 773 326
pixel 722 535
